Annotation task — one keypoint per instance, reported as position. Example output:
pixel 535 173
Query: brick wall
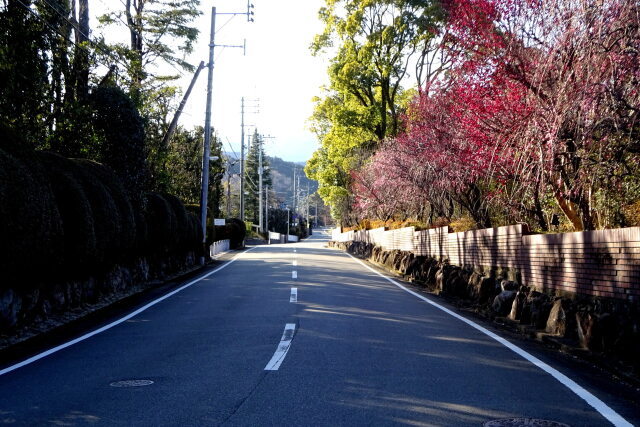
pixel 597 263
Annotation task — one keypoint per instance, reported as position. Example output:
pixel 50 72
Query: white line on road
pixel 604 410
pixel 117 322
pixel 283 348
pixel 294 295
pixel 294 274
pixel 295 263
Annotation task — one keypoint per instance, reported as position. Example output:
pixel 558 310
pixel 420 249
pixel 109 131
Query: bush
pixel 195 234
pixel 161 224
pixel 236 232
pixel 30 223
pixel 97 215
pixel 182 221
pixel 117 120
pixel 80 242
pixel 126 239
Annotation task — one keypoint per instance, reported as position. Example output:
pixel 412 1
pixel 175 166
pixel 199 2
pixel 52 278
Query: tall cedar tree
pixel 252 175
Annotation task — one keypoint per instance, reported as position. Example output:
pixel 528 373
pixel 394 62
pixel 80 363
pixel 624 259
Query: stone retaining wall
pixel 23 307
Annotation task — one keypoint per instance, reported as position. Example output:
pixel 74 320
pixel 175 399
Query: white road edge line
pixel 117 322
pixel 283 348
pixel 294 295
pixel 294 274
pixel 604 410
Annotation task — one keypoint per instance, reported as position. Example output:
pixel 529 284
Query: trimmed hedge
pixel 170 227
pixel 80 242
pixel 126 242
pixel 70 218
pixel 31 230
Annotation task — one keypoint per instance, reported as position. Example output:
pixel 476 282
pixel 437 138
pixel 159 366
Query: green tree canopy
pixel 374 43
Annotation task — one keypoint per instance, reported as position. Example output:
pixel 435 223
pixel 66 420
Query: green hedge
pixel 170 226
pixel 69 217
pixel 31 230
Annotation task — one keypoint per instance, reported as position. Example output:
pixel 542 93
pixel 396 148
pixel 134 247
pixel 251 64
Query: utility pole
pixel 228 192
pixel 266 209
pixel 204 194
pixel 294 188
pixel 259 142
pixel 308 204
pixel 287 225
pixel 242 160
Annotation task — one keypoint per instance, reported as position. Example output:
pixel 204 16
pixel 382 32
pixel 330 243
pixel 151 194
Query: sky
pixel 278 77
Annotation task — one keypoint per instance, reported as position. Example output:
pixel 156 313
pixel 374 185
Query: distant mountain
pixel 282 173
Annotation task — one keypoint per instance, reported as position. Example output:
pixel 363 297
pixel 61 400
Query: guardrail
pixel 218 247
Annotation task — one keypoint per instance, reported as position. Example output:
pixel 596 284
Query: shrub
pixel 161 224
pixel 182 222
pixel 31 227
pixel 80 243
pixel 236 232
pixel 117 120
pixel 122 241
pixel 195 234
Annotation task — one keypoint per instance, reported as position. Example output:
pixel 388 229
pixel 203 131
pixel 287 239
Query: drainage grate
pixel 524 422
pixel 131 383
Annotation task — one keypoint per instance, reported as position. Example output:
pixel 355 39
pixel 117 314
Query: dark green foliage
pixel 252 202
pixel 121 128
pixel 162 224
pixel 184 164
pixel 24 91
pixel 236 232
pixel 30 223
pixel 182 221
pixel 278 220
pixel 80 241
pixel 171 228
pixel 194 234
pixel 124 213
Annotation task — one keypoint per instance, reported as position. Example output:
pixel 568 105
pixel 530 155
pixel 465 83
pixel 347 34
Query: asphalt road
pixel 351 348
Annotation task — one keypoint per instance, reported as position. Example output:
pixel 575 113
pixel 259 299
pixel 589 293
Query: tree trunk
pixel 570 210
pixel 81 61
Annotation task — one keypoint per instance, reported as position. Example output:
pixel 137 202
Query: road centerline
pixel 283 348
pixel 294 295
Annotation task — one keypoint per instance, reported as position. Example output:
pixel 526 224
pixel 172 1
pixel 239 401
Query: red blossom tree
pixel 542 100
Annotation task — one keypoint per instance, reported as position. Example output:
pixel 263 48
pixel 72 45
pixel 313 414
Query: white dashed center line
pixel 294 295
pixel 283 348
pixel 294 274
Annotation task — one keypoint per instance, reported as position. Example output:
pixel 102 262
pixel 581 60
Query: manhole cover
pixel 524 422
pixel 131 383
